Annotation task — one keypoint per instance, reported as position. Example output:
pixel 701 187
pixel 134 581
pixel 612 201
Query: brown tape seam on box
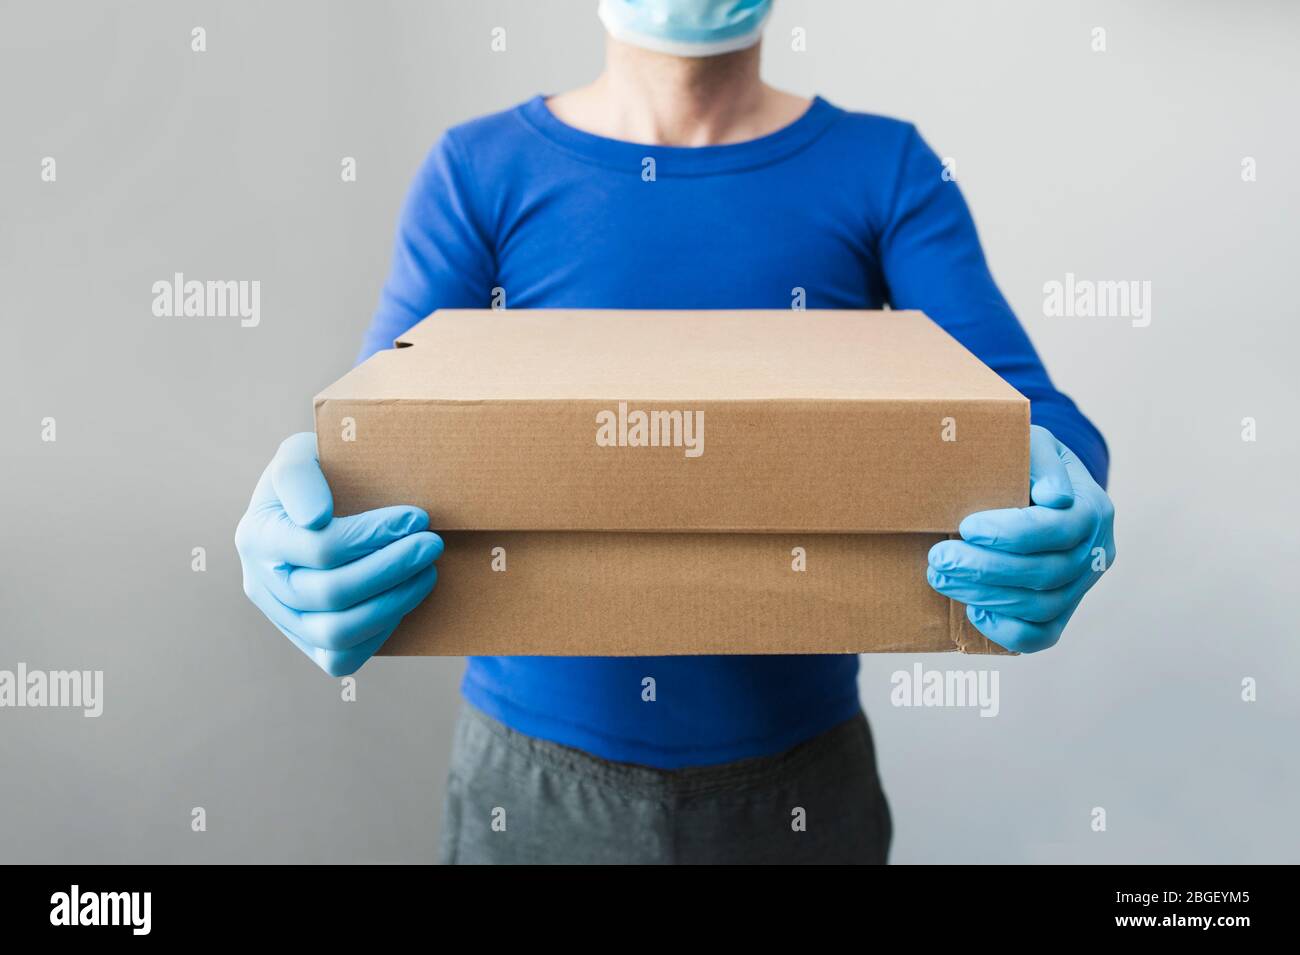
pixel 965 638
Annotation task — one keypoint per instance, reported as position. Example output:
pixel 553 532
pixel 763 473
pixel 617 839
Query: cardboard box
pixel 673 482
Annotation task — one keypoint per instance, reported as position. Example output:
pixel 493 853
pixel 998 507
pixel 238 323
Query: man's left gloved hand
pixel 1021 571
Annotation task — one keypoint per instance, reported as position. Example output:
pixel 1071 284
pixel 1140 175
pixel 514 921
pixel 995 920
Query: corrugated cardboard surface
pixel 811 421
pixel 836 426
pixel 841 465
pixel 602 594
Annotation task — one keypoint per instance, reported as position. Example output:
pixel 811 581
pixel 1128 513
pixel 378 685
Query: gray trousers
pixel 515 799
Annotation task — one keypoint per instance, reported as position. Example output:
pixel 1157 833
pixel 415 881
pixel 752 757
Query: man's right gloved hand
pixel 336 587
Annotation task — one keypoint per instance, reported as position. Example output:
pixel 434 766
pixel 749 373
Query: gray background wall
pixel 1116 165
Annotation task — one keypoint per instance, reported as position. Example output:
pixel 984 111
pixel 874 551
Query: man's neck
pixel 663 100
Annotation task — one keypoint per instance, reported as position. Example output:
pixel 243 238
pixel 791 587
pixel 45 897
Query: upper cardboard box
pixel 744 421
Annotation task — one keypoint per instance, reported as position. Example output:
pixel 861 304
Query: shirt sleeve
pixel 442 257
pixel 932 261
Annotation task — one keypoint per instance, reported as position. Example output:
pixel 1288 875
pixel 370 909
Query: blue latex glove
pixel 336 587
pixel 1022 571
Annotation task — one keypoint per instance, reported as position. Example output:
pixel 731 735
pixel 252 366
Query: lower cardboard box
pixel 527 593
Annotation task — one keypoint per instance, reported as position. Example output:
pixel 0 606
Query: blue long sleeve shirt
pixel 520 209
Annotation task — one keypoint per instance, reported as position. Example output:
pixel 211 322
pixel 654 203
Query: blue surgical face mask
pixel 686 27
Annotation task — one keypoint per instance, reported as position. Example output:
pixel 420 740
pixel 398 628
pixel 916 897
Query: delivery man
pixel 678 179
